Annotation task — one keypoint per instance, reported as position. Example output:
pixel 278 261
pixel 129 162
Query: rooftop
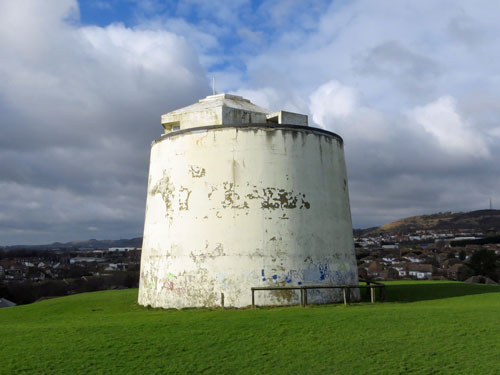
pixel 226 109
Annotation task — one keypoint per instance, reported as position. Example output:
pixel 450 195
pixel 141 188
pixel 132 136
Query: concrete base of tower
pixel 235 207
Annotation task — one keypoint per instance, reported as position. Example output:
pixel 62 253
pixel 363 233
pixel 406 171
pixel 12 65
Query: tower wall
pixel 234 207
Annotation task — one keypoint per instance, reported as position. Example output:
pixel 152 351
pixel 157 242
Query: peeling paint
pixel 274 198
pixel 231 197
pixel 166 189
pixel 196 171
pixel 212 190
pixel 169 193
pixel 283 296
pixel 184 194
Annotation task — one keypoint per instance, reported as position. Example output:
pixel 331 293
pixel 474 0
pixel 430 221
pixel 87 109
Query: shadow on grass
pixel 422 292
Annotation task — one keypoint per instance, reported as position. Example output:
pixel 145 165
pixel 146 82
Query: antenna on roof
pixel 213 85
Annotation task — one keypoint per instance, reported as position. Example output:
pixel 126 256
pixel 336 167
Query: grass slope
pixel 428 328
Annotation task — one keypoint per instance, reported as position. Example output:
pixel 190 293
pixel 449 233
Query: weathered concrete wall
pixel 233 208
pixel 284 117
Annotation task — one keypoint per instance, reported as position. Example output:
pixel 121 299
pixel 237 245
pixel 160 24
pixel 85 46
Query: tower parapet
pixel 225 109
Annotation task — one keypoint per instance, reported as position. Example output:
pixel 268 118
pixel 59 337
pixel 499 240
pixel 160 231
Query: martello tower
pixel 239 196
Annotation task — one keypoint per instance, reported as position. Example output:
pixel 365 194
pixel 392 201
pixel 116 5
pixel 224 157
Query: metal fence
pixel 372 286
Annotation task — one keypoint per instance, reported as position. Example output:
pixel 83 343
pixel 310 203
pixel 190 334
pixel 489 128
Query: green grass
pixel 425 328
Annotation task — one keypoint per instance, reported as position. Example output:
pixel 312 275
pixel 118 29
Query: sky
pixel 413 87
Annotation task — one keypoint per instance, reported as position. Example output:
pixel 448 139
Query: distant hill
pixel 91 244
pixel 482 220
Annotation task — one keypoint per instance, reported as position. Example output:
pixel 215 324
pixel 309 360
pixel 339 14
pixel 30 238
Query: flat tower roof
pixel 226 109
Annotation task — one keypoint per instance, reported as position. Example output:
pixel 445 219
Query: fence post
pixel 253 298
pixel 305 297
pixel 346 299
pixel 372 294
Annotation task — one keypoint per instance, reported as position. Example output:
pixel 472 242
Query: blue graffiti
pixel 323 271
pixel 314 273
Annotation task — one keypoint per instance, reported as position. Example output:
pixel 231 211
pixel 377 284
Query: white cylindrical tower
pixel 239 197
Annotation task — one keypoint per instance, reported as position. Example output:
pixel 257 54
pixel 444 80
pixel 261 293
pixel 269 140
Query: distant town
pixel 460 255
pixel 392 252
pixel 28 275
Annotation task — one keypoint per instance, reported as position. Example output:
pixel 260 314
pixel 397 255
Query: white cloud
pixel 272 99
pixel 413 93
pixel 336 107
pixel 79 107
pixel 412 87
pixel 454 134
pixel 332 100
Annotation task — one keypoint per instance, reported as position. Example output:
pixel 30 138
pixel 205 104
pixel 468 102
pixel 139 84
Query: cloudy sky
pixel 413 87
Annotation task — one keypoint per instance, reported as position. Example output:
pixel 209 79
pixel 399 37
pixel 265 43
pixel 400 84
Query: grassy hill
pixel 425 328
pixel 482 220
